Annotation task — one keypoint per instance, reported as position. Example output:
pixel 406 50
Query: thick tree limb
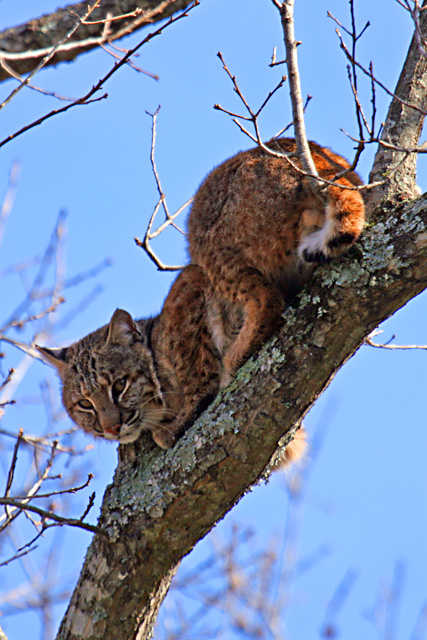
pixel 402 128
pixel 24 46
pixel 161 503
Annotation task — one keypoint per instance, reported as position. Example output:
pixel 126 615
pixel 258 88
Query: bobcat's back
pixel 256 229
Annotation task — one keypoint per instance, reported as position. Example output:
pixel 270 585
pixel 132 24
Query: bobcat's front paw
pixel 224 379
pixel 164 438
pixel 317 256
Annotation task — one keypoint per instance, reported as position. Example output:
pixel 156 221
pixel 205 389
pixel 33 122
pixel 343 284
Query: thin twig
pixel 11 515
pixel 38 316
pixel 304 154
pixel 16 75
pixel 368 73
pixel 336 603
pixel 368 340
pixel 15 557
pixel 49 515
pixel 256 138
pixel 130 62
pixel 415 15
pixel 40 275
pixel 9 197
pixel 52 494
pixel 253 115
pixel 11 471
pixel 161 204
pixel 132 14
pixel 87 99
pixel 50 55
pixel 7 379
pixel 420 628
pixel 44 444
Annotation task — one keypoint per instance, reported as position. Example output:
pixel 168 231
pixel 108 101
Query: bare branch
pixel 287 17
pixel 420 626
pixel 9 197
pixel 50 54
pixel 87 99
pixel 369 73
pixel 44 444
pixel 329 629
pixel 11 471
pixel 15 75
pixel 161 204
pixel 12 513
pixel 270 148
pixel 38 316
pixel 110 18
pixel 7 379
pixel 17 556
pixel 130 62
pixel 414 12
pixel 26 44
pixel 49 515
pixel 70 490
pixel 41 273
pixel 369 341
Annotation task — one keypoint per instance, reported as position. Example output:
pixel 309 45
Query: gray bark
pixel 44 32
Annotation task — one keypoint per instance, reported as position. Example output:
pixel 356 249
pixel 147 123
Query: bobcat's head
pixel 109 384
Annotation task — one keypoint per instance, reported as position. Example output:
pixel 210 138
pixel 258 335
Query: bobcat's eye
pixel 118 387
pixel 85 404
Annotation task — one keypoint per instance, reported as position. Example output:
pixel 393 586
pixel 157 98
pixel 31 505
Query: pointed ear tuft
pixel 54 357
pixel 122 329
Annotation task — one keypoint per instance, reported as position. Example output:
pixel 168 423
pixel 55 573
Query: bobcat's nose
pixel 114 430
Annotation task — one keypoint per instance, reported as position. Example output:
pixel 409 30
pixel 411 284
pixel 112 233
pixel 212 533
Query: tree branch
pixel 50 515
pixel 402 128
pixel 87 99
pixel 162 502
pixel 304 154
pixel 24 46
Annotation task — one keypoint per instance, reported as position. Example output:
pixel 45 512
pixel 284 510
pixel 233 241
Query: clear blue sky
pixel 366 491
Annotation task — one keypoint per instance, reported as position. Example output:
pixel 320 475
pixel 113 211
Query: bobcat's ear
pixel 54 357
pixel 122 329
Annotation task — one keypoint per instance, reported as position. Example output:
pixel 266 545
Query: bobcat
pixel 255 232
pixel 155 373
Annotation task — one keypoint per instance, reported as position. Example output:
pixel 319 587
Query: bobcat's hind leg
pixel 262 304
